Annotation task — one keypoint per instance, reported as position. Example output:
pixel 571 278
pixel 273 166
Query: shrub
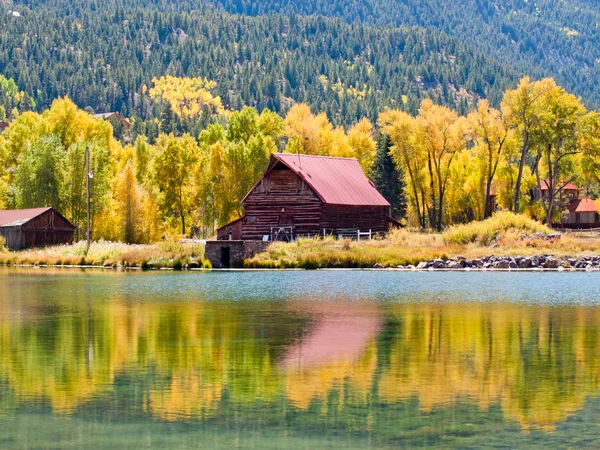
pixel 2 245
pixel 491 230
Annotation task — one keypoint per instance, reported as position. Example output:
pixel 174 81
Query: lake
pixel 289 360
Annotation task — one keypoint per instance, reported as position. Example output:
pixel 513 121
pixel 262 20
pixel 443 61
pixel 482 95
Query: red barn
pixel 303 195
pixel 39 227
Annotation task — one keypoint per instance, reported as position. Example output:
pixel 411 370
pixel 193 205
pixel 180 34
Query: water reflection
pixel 337 361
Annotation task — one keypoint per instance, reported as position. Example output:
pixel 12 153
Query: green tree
pixel 388 179
pixel 173 169
pixel 39 178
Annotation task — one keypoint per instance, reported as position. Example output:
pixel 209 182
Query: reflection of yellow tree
pixel 195 350
pixel 537 364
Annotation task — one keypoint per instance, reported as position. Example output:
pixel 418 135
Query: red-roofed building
pixel 569 191
pixel 305 195
pixel 38 227
pixel 582 213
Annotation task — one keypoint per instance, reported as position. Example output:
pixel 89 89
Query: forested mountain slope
pixel 102 54
pixel 541 37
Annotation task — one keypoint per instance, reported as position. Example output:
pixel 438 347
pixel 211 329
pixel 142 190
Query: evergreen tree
pixel 387 179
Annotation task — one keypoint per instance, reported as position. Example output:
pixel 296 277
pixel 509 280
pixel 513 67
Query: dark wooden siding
pixel 12 237
pixel 364 218
pixel 231 231
pixel 281 196
pixel 49 228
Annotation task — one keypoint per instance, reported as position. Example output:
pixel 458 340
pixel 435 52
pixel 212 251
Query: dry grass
pixel 104 253
pixel 495 228
pixel 404 247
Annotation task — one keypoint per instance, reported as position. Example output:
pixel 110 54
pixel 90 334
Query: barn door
pixel 285 231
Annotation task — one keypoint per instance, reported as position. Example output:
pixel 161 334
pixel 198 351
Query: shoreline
pixel 323 269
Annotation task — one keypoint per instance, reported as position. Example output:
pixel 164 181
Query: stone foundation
pixel 227 254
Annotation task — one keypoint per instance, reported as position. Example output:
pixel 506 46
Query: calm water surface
pixel 338 359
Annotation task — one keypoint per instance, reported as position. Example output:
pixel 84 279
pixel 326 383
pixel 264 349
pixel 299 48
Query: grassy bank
pixel 505 234
pixel 102 253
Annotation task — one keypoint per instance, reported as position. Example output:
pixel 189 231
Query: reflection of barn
pixel 304 196
pixel 40 227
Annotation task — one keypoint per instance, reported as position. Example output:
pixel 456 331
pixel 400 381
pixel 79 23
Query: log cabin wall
pixel 281 197
pixel 363 218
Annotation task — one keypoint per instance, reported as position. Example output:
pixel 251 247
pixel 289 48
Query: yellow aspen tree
pixel 187 97
pixel 409 155
pixel 522 109
pixel 129 204
pixel 489 132
pixel 362 144
pixel 442 135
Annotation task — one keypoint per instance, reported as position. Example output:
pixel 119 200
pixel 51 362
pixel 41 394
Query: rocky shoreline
pixel 509 263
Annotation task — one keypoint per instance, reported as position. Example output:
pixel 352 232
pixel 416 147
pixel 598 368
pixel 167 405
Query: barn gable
pixel 336 181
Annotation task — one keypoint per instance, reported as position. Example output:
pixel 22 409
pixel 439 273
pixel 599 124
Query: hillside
pixel 102 56
pixel 541 38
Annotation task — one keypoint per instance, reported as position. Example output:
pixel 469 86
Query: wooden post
pixel 87 188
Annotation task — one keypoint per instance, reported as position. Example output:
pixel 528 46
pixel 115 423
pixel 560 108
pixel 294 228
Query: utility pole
pixel 88 175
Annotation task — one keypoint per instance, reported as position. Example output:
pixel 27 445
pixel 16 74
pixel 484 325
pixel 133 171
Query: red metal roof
pixel 583 204
pixel 19 216
pixel 568 187
pixel 337 181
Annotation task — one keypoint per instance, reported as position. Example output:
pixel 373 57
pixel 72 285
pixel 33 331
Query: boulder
pixel 501 264
pixel 454 265
pixel 551 263
pixel 422 265
pixel 438 264
pixel 524 263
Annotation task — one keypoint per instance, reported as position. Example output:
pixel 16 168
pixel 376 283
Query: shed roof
pixel 583 204
pixel 337 181
pixel 16 217
pixel 106 115
pixel 544 186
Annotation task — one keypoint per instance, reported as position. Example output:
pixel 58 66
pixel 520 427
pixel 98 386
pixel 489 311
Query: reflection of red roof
pixel 20 215
pixel 337 181
pixel 336 337
pixel 568 187
pixel 583 204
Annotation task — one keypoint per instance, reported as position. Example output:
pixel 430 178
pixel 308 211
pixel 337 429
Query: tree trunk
pixel 524 151
pixel 440 209
pixel 432 212
pixel 488 188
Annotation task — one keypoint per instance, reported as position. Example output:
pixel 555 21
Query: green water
pixel 336 359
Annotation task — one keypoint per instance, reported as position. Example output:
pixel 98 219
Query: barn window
pixel 252 219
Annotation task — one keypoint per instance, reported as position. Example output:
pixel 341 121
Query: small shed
pixel 38 227
pixel 114 117
pixel 582 214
